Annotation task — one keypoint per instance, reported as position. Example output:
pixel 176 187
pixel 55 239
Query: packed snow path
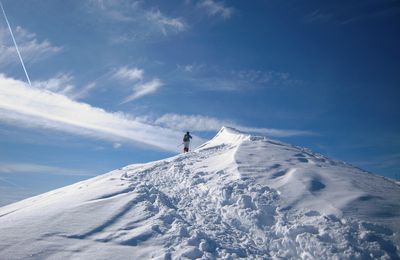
pixel 237 196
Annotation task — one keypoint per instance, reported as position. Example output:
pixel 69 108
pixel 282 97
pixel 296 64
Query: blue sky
pixel 118 82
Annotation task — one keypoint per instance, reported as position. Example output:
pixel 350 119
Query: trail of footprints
pixel 200 221
pixel 233 219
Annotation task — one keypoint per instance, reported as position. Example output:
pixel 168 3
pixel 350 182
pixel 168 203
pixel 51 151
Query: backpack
pixel 186 138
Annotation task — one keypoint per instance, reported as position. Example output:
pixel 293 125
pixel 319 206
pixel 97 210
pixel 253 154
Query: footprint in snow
pixel 303 160
pixel 312 213
pixel 278 174
pixel 316 185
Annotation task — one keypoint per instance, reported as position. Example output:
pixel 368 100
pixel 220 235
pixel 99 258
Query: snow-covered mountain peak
pixel 227 136
pixel 230 130
pixel 236 196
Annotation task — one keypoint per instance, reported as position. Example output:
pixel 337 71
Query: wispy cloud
pixel 379 13
pixel 62 84
pixel 352 11
pixel 84 91
pixel 115 9
pixel 117 145
pixel 135 76
pixel 205 123
pixel 30 47
pixel 24 106
pixel 165 23
pixel 214 8
pixel 146 21
pixel 269 77
pixel 214 78
pixel 143 89
pixel 129 74
pixel 6 167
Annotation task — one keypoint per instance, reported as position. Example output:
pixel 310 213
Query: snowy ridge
pixel 236 196
pixel 226 135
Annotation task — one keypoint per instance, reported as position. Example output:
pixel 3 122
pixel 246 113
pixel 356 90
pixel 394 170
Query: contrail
pixel 15 43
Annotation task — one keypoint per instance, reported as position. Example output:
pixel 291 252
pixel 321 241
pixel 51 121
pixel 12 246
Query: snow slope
pixel 236 196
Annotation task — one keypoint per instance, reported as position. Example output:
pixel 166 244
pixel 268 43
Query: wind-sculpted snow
pixel 236 196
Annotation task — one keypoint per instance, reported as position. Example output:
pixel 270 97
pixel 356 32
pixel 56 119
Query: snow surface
pixel 236 196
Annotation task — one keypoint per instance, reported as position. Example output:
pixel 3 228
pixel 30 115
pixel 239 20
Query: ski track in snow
pixel 235 197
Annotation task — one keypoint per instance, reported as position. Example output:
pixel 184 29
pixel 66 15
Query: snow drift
pixel 236 196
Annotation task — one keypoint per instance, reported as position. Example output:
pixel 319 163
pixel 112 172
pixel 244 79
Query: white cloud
pixel 193 68
pixel 83 91
pixel 24 106
pixel 349 12
pixel 213 78
pixel 32 50
pixel 188 68
pixel 205 123
pixel 143 89
pixel 62 84
pixel 191 122
pixel 146 22
pixel 165 23
pixel 118 10
pixel 6 167
pixel 276 132
pixel 214 8
pixel 117 145
pixel 267 77
pixel 129 74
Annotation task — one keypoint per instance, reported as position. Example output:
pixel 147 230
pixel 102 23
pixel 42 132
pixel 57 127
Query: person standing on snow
pixel 186 142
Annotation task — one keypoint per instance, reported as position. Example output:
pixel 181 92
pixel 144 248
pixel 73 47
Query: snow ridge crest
pixel 227 136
